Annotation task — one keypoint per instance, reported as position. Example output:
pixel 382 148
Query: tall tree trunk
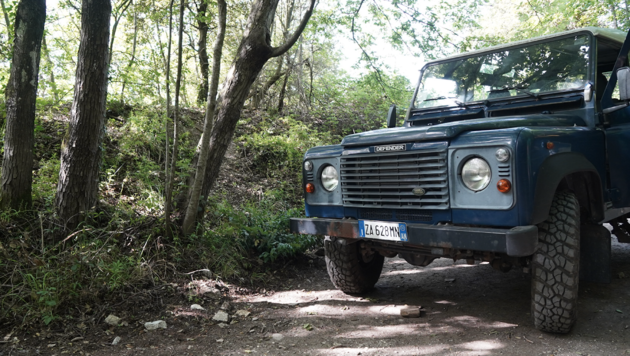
pixel 20 95
pixel 51 68
pixel 253 52
pixel 204 61
pixel 167 171
pixel 6 20
pixel 133 52
pixel 178 82
pixel 118 14
pixel 202 162
pixel 77 190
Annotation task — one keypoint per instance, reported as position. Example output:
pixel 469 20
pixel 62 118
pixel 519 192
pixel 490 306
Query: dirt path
pixel 470 310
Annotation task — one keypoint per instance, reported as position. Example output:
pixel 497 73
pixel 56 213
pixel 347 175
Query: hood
pixel 452 129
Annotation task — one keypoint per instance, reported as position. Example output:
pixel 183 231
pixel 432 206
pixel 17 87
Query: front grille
pixel 400 215
pixel 387 180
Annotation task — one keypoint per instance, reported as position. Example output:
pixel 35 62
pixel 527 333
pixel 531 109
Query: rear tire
pixel 351 271
pixel 556 266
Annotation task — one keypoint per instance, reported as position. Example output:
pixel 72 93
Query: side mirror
pixel 391 115
pixel 623 80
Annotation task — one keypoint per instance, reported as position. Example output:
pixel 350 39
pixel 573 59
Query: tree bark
pixel 20 95
pixel 253 52
pixel 202 162
pixel 204 61
pixel 77 190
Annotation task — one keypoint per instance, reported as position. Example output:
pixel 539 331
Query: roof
pixel 608 33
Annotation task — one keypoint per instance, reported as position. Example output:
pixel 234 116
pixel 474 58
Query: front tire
pixel 350 270
pixel 556 266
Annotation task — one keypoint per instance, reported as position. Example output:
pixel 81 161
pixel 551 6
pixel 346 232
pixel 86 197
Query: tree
pixel 77 189
pixel 204 62
pixel 21 92
pixel 193 202
pixel 253 52
pixel 178 81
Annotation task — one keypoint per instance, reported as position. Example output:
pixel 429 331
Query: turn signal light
pixel 549 145
pixel 504 185
pixel 310 188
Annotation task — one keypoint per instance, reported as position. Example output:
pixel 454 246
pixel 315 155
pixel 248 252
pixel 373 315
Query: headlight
pixel 308 166
pixel 330 178
pixel 476 174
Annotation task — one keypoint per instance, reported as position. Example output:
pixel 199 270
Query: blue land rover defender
pixel 515 155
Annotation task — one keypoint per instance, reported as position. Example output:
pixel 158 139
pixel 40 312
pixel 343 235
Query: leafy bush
pixel 262 229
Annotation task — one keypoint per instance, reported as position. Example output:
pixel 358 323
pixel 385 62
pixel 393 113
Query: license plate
pixel 382 230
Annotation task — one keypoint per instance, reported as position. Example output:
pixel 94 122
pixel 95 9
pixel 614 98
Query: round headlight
pixel 476 174
pixel 330 178
pixel 308 166
pixel 502 155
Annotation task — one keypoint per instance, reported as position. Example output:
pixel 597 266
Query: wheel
pixel 352 270
pixel 556 266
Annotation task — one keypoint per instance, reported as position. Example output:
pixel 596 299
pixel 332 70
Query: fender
pixel 573 171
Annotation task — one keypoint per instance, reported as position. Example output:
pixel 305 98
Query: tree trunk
pixel 118 14
pixel 193 203
pixel 133 52
pixel 167 171
pixel 6 20
pixel 77 190
pixel 204 61
pixel 253 52
pixel 178 82
pixel 20 95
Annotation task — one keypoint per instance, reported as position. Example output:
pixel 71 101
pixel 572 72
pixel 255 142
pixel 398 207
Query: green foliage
pixel 357 105
pixel 261 229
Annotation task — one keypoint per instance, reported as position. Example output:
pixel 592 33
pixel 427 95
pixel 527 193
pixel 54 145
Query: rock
pixel 277 337
pixel 243 313
pixel 112 320
pixel 219 340
pixel 197 307
pixel 225 306
pixel 223 325
pixel 221 316
pixel 152 325
pixel 449 280
pixel 411 312
pixel 116 340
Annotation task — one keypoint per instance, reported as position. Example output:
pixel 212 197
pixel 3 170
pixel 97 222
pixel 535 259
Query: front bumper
pixel 518 241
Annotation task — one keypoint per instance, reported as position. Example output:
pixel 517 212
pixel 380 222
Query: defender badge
pixel 390 148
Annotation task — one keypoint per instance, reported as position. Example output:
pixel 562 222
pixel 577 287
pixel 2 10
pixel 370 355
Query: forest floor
pixel 470 310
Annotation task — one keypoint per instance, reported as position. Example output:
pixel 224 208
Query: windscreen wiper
pixel 437 98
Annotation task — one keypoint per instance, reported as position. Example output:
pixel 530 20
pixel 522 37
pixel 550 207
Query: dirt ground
pixel 470 310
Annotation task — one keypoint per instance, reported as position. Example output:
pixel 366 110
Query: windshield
pixel 546 67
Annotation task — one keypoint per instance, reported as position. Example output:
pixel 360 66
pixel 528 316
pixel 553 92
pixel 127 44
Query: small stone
pixel 411 312
pixel 197 307
pixel 52 345
pixel 220 341
pixel 449 280
pixel 116 340
pixel 221 316
pixel 153 325
pixel 243 313
pixel 233 322
pixel 225 306
pixel 277 337
pixel 254 318
pixel 112 320
pixel 223 325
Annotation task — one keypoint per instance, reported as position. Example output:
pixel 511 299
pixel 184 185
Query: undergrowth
pixel 49 274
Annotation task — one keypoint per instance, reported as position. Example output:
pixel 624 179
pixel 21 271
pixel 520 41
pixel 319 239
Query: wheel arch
pixel 568 171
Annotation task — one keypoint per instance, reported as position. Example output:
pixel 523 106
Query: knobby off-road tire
pixel 346 266
pixel 556 266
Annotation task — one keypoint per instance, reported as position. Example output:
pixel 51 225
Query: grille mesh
pixel 387 180
pixel 402 215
